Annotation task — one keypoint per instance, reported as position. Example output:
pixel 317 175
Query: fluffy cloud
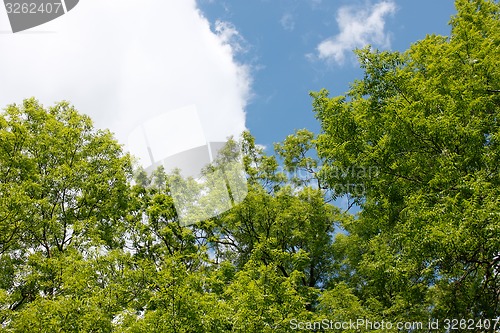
pixel 287 22
pixel 125 61
pixel 358 27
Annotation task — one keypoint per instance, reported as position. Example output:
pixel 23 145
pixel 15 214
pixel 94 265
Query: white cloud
pixel 358 27
pixel 230 36
pixel 125 61
pixel 287 22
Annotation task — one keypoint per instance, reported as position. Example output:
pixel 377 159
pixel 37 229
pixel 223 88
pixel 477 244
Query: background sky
pixel 241 63
pixel 281 41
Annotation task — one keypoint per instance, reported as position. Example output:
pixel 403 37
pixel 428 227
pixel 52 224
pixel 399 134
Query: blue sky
pixel 280 38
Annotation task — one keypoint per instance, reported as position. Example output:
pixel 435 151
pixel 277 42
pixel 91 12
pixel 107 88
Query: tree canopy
pixel 428 234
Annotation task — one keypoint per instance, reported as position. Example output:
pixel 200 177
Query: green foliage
pixel 63 190
pixel 427 120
